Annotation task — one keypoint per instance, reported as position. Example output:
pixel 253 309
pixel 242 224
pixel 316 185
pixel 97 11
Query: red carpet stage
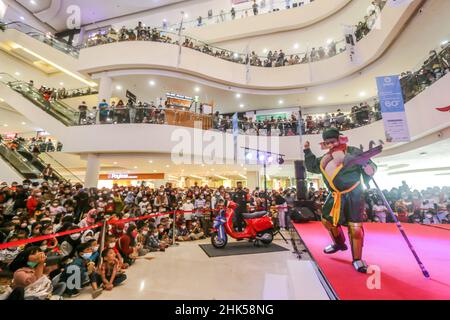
pixel 401 278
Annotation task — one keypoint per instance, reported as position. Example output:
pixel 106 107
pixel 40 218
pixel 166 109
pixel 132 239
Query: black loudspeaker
pixel 300 178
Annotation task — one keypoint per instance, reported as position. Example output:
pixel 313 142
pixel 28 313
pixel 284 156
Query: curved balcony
pixel 165 55
pixel 423 114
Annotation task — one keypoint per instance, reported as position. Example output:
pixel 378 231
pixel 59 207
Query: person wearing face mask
pixel 70 242
pixel 7 255
pixel 183 233
pixel 90 219
pixel 111 242
pixel 195 231
pixel 28 268
pixel 86 271
pixel 33 201
pixel 188 207
pixel 380 211
pixel 153 242
pixel 127 245
pixel 144 204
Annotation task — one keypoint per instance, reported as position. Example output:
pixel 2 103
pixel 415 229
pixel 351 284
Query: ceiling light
pixel 118 87
pixel 280 101
pixel 5 125
pixel 22 18
pixel 114 162
pixel 167 166
pixel 135 167
pixel 362 94
pixel 329 41
pixel 265 50
pixel 194 176
pixel 152 83
pixel 164 20
pixel 186 15
pixel 242 176
pixel 241 105
pixel 61 83
pixel 89 83
pixel 197 89
pixel 2 100
pixel 238 95
pixel 221 177
pixel 33 2
pixel 24 123
pixel 150 161
pixel 321 98
pixel 296 46
pixel 17 73
pixel 154 171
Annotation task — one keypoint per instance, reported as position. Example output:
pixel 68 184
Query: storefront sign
pixel 393 109
pixel 136 176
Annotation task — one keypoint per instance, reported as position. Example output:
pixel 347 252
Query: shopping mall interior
pixel 157 146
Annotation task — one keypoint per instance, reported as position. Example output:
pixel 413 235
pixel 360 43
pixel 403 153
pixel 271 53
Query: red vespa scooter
pixel 259 227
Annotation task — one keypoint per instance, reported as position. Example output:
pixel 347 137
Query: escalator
pixel 57 109
pixel 22 165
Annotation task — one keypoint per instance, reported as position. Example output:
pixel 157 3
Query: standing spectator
pixel 255 8
pixel 82 108
pixel 48 172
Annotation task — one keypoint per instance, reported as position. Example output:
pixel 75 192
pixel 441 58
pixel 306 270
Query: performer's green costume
pixel 345 203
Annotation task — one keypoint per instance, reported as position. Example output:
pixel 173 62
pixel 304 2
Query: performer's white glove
pixel 369 170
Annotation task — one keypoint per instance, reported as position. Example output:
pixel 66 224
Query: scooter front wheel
pixel 216 242
pixel 266 237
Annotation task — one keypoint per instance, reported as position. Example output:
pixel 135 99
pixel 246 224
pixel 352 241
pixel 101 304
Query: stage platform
pixel 401 277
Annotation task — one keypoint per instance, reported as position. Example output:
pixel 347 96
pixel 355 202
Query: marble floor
pixel 186 272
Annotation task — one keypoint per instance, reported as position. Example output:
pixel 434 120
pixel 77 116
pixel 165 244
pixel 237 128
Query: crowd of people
pixel 360 115
pixel 274 58
pixel 32 209
pixel 428 206
pixel 34 145
pixel 435 67
pixel 39 270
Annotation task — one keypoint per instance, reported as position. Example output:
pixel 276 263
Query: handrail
pixel 45 37
pixel 62 166
pixel 18 163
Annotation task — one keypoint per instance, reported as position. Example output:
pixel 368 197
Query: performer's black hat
pixel 330 133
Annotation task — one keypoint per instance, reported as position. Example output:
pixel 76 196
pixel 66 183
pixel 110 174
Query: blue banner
pixel 393 109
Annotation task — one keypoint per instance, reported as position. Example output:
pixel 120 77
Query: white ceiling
pixel 93 11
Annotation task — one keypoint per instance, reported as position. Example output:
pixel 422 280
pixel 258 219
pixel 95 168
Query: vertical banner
pixel 3 8
pixel 235 134
pixel 350 44
pixel 393 109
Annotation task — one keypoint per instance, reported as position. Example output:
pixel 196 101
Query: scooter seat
pixel 254 215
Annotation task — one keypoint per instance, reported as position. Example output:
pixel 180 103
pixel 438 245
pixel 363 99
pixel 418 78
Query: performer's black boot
pixel 356 235
pixel 338 237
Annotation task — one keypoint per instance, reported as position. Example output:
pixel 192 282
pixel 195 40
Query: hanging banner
pixel 393 109
pixel 350 44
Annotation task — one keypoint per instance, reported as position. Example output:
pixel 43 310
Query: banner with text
pixel 393 109
pixel 350 44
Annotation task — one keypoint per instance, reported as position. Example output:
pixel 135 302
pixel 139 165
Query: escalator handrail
pixel 63 166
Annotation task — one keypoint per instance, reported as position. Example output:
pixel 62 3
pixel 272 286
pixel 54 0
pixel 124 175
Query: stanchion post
pixel 173 226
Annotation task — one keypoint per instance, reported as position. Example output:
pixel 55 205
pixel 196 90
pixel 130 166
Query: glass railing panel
pixel 55 108
pixel 46 38
pixel 18 162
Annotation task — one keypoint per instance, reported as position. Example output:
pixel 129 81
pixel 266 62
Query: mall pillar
pixel 92 171
pixel 252 179
pixel 105 89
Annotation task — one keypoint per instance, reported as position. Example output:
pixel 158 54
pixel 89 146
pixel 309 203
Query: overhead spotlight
pixel 321 98
pixel 280 160
pixel 22 18
pixel 33 2
pixel 362 94
pixel 61 83
pixel 280 101
pixel 118 87
pixel 248 155
pixel 238 95
pixel 270 159
pixel 152 83
pixel 261 157
pixel 197 89
pixel 24 123
pixel 241 105
pixel 296 46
